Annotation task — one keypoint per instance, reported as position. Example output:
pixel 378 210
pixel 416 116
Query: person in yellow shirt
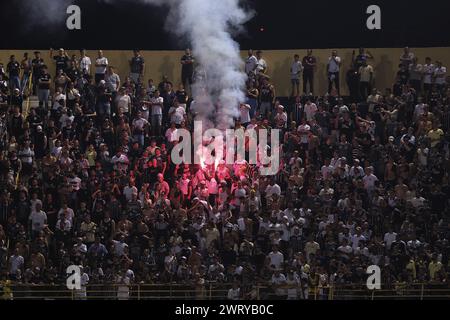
pixel 434 267
pixel 88 229
pixel 435 135
pixel 411 268
pixel 91 155
pixel 7 292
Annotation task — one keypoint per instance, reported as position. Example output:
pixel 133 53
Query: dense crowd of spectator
pixel 87 180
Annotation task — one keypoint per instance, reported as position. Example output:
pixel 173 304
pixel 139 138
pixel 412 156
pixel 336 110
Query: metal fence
pixel 216 291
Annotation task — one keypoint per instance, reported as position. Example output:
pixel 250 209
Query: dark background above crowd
pixel 282 24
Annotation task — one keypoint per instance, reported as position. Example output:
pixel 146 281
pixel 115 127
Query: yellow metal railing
pixel 215 291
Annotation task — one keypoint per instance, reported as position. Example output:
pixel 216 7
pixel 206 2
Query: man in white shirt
pixel 416 75
pixel 81 294
pixel 101 64
pixel 369 180
pixel 439 75
pixel 280 117
pixel 250 65
pixel 356 238
pixel 16 263
pixel 310 110
pixel 63 224
pixel 112 80
pixel 345 249
pixel 419 109
pixel 389 238
pixel 356 171
pixel 235 292
pixel 177 113
pixel 279 280
pixel 59 99
pixel 261 66
pixel 156 103
pixel 120 161
pixel 139 127
pixel 67 212
pixel 428 71
pixel 75 183
pixel 373 99
pixel 38 219
pixel 365 80
pixel 171 133
pixel 85 63
pixel 296 70
pixel 129 190
pixel 123 101
pixel 275 258
pixel 304 130
pixel 272 189
pixel 333 68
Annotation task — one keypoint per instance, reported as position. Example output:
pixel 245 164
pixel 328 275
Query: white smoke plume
pixel 208 25
pixel 44 12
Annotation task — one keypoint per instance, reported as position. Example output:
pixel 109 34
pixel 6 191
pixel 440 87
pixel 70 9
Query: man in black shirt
pixel 187 68
pixel 137 66
pixel 37 64
pixel 61 60
pixel 43 87
pixel 16 99
pixel 352 79
pixel 73 72
pixel 13 69
pixel 309 65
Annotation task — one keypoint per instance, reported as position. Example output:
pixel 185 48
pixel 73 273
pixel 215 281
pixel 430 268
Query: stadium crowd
pixel 87 180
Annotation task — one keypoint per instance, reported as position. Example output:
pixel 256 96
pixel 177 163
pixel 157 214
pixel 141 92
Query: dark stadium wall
pixel 276 25
pixel 159 63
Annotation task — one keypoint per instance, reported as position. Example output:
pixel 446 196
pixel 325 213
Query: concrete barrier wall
pixel 159 63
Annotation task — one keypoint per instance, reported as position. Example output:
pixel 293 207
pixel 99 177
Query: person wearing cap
pixel 40 143
pixel 281 116
pixel 16 99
